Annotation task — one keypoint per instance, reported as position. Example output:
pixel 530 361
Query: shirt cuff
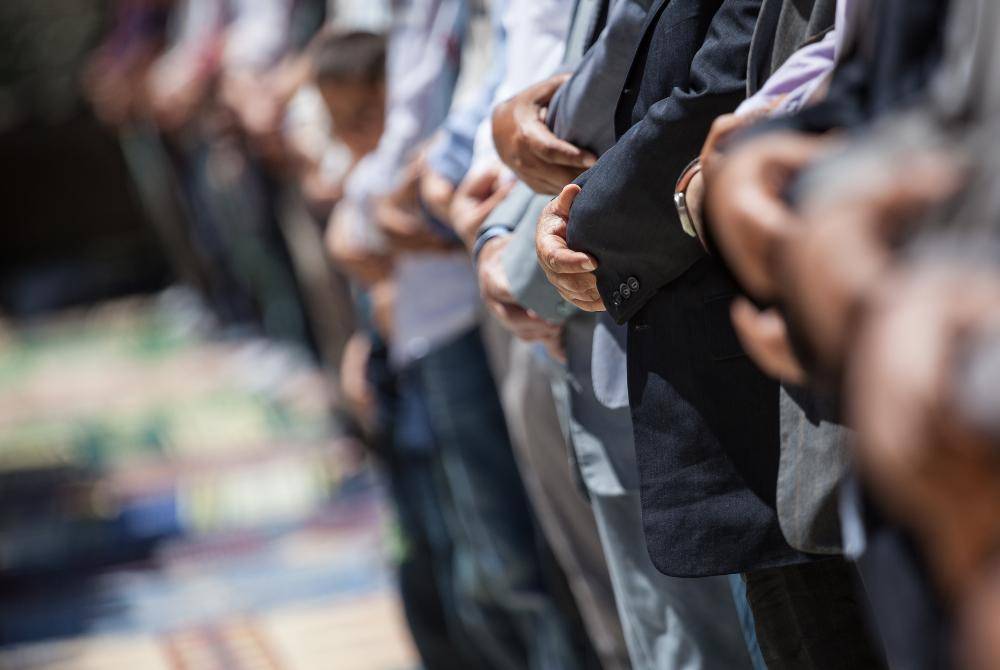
pixel 485 236
pixel 450 158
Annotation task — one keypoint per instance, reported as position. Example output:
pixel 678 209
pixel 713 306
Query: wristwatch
pixel 680 197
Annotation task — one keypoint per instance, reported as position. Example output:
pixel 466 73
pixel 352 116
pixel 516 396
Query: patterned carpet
pixel 171 498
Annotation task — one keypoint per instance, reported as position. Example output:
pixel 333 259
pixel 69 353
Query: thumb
pixel 545 90
pixel 482 210
pixel 564 201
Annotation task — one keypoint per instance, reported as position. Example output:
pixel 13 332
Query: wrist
pixel 688 211
pixel 492 247
pixel 492 238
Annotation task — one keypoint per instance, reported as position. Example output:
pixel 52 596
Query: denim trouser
pixel 430 602
pixel 411 461
pixel 496 555
pixel 747 623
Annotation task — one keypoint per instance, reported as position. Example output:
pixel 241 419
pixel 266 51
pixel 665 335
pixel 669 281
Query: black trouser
pixel 811 615
pixel 909 613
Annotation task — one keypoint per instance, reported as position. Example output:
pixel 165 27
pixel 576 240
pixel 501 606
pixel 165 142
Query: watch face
pixel 680 201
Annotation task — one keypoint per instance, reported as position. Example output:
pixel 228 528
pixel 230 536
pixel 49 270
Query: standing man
pixel 668 622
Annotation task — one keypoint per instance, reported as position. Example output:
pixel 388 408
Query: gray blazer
pixel 814 456
pixel 583 113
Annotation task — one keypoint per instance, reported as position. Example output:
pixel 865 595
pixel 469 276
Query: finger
pixel 549 148
pixel 495 289
pixel 580 296
pixel 584 304
pixel 418 240
pixel 544 90
pixel 543 181
pixel 590 305
pixel 577 297
pixel 546 178
pixel 408 190
pixel 534 334
pixel 768 208
pixel 926 181
pixel 467 225
pixel 520 321
pixel 562 203
pixel 551 248
pixel 581 284
pixel 794 151
pixel 480 185
pixel 398 223
pixel 560 259
pixel 498 196
pixel 554 346
pixel 764 336
pixel 556 177
pixel 722 127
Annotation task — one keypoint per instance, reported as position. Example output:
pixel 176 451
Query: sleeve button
pixel 633 283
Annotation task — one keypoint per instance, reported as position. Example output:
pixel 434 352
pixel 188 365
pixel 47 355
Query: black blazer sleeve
pixel 625 216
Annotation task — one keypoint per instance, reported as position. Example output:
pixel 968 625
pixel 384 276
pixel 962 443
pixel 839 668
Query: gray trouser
pixel 670 623
pixel 542 454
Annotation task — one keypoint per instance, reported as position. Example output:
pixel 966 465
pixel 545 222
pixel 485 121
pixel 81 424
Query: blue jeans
pixel 411 461
pixel 745 614
pixel 496 551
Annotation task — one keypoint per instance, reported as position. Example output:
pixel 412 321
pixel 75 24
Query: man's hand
pixel 494 286
pixel 979 623
pixel 437 192
pixel 722 129
pixel 764 335
pixel 746 213
pixel 177 87
pixel 354 382
pixel 349 254
pixel 571 272
pixel 476 197
pixel 932 468
pixel 527 146
pixel 830 262
pixel 400 219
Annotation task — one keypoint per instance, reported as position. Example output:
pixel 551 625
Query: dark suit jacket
pixel 689 68
pixel 705 419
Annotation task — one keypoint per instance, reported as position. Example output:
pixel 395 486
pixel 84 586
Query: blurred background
pixel 180 486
